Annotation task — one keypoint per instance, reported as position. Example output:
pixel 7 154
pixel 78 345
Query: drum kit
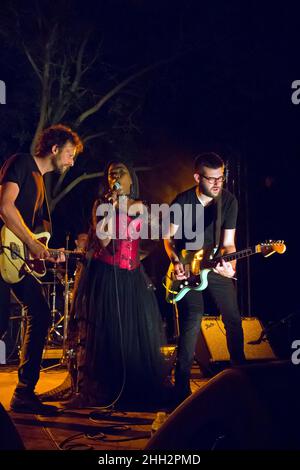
pixel 58 285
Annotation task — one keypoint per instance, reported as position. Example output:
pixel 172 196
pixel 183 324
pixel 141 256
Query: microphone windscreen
pixel 117 186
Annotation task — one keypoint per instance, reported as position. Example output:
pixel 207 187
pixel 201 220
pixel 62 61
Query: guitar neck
pixel 65 252
pixel 233 256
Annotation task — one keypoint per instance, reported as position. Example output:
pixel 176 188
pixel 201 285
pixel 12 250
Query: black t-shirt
pixel 229 210
pixel 31 203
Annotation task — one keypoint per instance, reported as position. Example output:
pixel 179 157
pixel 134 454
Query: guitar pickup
pixel 15 251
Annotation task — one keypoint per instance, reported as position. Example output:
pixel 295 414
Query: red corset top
pixel 124 250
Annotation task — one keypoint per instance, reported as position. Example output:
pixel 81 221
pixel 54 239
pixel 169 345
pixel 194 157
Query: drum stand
pixel 21 334
pixel 64 358
pixel 65 318
pixel 56 324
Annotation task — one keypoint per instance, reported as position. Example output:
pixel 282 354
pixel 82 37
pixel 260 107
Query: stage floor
pixel 120 430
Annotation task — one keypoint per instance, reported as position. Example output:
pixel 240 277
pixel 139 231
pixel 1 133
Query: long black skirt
pixel 117 333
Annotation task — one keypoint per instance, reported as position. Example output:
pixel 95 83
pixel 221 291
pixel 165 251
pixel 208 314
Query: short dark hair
pixel 56 135
pixel 209 159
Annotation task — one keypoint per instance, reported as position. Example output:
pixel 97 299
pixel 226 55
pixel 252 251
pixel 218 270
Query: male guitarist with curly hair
pixel 24 211
pixel 220 215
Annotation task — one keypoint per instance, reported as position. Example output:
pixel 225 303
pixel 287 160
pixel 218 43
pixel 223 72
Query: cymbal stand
pixel 64 358
pixel 55 323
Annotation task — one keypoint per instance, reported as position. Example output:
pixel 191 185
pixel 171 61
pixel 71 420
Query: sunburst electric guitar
pixel 197 268
pixel 16 260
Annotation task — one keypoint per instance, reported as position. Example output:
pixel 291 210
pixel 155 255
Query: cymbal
pixel 57 269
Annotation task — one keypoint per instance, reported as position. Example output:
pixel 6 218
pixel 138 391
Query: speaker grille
pixel 212 337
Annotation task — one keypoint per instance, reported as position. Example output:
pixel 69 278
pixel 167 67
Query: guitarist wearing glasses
pixel 24 211
pixel 220 215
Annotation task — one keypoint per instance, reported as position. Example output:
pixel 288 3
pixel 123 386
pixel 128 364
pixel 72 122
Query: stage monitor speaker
pixel 212 347
pixel 9 437
pixel 251 407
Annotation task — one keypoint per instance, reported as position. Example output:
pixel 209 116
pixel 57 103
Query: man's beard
pixel 207 192
pixel 58 167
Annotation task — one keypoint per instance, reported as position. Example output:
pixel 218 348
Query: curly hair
pixel 56 135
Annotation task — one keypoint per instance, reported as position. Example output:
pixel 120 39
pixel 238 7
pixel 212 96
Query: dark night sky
pixel 228 90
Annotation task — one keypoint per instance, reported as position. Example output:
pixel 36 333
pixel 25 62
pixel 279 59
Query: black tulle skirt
pixel 117 333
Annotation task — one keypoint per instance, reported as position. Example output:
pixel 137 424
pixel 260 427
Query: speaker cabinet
pixel 212 347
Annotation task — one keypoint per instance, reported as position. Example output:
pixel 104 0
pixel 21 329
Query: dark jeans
pixel 4 307
pixel 191 309
pixel 30 293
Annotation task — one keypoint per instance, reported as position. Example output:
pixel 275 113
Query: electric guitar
pixel 197 268
pixel 16 260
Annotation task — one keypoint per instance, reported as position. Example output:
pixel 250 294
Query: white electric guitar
pixel 16 260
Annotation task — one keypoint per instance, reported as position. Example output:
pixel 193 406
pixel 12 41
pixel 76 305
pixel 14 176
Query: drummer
pixel 81 242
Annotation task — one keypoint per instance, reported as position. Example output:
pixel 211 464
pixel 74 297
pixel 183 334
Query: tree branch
pixel 32 62
pixel 78 73
pixel 46 80
pixel 93 136
pixel 85 176
pixel 116 90
pixel 67 189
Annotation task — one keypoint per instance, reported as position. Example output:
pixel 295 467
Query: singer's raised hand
pixel 112 197
pixel 113 193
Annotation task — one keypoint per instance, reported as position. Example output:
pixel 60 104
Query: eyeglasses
pixel 213 180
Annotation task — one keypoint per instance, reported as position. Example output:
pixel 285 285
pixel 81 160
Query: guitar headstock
pixel 270 247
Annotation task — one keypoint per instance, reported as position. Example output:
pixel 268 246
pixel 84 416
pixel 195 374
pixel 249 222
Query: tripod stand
pixel 267 330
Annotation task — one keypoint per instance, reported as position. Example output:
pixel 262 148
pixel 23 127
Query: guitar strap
pixel 43 214
pixel 217 222
pixel 46 208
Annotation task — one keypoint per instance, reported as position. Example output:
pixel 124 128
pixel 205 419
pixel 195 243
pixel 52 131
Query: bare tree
pixel 74 82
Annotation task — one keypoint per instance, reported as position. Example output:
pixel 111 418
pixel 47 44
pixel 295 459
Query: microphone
pixel 116 186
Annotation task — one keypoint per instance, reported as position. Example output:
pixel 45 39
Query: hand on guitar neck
pixel 39 251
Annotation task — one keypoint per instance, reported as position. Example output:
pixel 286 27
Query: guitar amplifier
pixel 211 344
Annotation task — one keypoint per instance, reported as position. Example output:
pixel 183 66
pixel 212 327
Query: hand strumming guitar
pixel 224 269
pixel 179 271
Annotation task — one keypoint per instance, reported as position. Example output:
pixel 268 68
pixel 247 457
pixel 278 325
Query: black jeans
pixel 30 294
pixel 191 309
